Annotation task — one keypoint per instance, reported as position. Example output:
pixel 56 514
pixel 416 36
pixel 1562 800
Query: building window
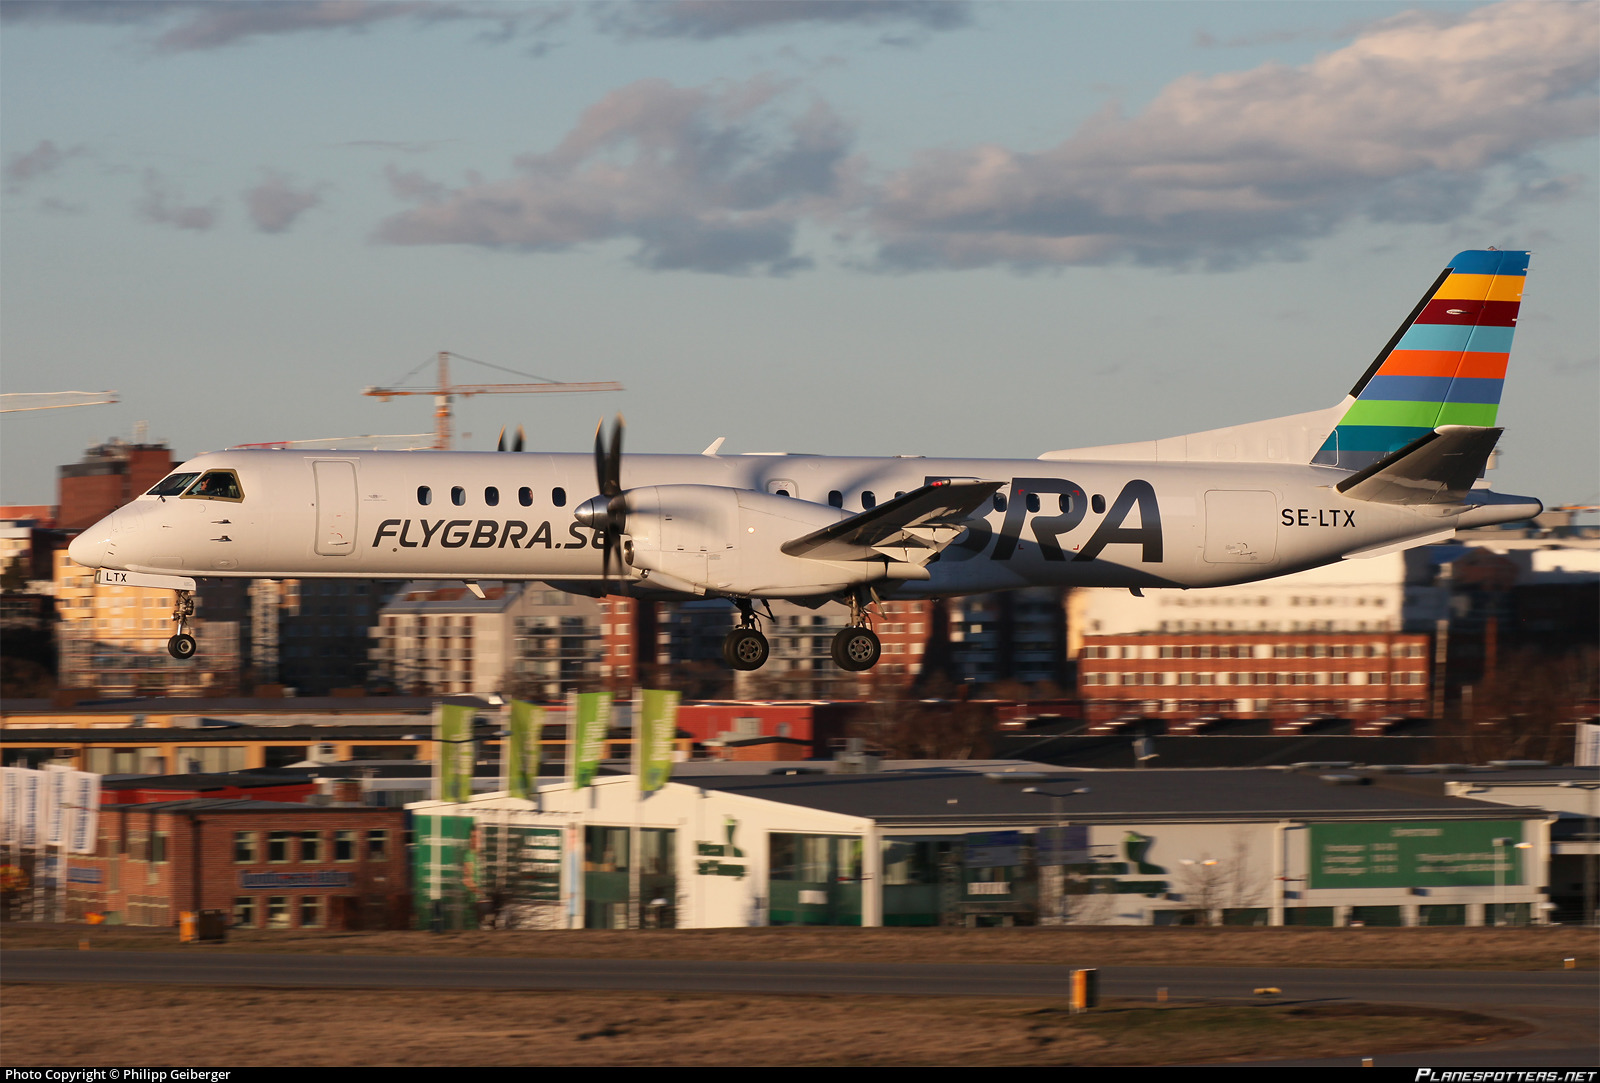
pixel 278 912
pixel 310 847
pixel 344 845
pixel 311 911
pixel 245 848
pixel 377 846
pixel 244 912
pixel 158 848
pixel 278 847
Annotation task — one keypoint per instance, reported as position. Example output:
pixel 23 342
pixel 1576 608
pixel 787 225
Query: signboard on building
pixel 1479 853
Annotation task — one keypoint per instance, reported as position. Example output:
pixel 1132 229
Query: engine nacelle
pixel 712 538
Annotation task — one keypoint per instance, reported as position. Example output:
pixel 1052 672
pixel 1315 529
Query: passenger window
pixel 216 485
pixel 491 496
pixel 458 495
pixel 1033 501
pixel 869 499
pixel 424 495
pixel 1098 503
pixel 999 501
pixel 836 498
pixel 525 497
pixel 901 493
pixel 558 497
pixel 172 484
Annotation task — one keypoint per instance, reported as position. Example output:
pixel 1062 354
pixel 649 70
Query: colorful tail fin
pixel 1444 366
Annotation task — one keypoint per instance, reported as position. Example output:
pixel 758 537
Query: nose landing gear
pixel 182 645
pixel 745 648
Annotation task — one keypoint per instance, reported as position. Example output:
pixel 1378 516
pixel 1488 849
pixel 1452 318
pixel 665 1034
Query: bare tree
pixel 904 728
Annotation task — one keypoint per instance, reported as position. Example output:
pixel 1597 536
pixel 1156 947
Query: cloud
pixel 707 179
pixel 707 19
pixel 28 166
pixel 275 203
pixel 1399 125
pixel 162 204
pixel 186 25
pixel 209 24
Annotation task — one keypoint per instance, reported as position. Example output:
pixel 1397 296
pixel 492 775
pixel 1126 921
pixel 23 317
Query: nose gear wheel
pixel 745 649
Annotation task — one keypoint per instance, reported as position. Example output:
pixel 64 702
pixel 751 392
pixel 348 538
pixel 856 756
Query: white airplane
pixel 1397 463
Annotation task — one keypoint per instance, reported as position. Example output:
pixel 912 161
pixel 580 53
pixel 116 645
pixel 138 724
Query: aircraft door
pixel 1241 526
pixel 336 507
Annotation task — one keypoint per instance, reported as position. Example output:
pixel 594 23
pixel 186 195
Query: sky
pixel 884 227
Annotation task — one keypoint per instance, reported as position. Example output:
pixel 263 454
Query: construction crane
pixel 445 392
pixel 17 401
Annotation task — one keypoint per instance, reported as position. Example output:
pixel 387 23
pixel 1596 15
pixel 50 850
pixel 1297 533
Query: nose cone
pixel 92 548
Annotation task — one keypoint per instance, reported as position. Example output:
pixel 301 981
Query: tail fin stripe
pixel 1425 415
pixel 1482 366
pixel 1482 313
pixel 1456 337
pixel 1506 287
pixel 1408 388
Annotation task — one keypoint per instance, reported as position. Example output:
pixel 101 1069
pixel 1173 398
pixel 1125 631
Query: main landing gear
pixel 745 648
pixel 182 645
pixel 856 648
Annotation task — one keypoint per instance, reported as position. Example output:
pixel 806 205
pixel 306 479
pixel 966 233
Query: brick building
pixel 109 475
pixel 271 865
pixel 1283 676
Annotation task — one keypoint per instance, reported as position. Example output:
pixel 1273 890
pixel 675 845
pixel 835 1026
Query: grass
pixel 1527 949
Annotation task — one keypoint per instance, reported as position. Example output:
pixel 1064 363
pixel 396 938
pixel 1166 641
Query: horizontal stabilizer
pixel 913 527
pixel 1438 467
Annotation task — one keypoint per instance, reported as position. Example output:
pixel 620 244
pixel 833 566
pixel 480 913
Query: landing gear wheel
pixel 856 649
pixel 745 649
pixel 181 646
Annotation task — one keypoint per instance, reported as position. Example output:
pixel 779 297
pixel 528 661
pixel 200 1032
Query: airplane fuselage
pixel 476 515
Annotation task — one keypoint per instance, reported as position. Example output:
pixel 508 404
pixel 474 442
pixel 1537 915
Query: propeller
pixel 607 512
pixel 516 444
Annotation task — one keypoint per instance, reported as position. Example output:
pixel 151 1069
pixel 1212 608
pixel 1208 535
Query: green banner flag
pixel 452 735
pixel 591 721
pixel 519 755
pixel 657 727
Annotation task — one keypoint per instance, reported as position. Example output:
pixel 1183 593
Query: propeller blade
pixel 501 446
pixel 517 444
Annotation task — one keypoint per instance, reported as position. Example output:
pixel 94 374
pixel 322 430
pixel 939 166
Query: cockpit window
pixel 172 484
pixel 216 485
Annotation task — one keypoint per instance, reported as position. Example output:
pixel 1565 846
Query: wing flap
pixel 910 528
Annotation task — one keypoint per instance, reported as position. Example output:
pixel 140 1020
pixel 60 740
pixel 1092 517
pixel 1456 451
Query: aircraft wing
pixel 1438 467
pixel 911 528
